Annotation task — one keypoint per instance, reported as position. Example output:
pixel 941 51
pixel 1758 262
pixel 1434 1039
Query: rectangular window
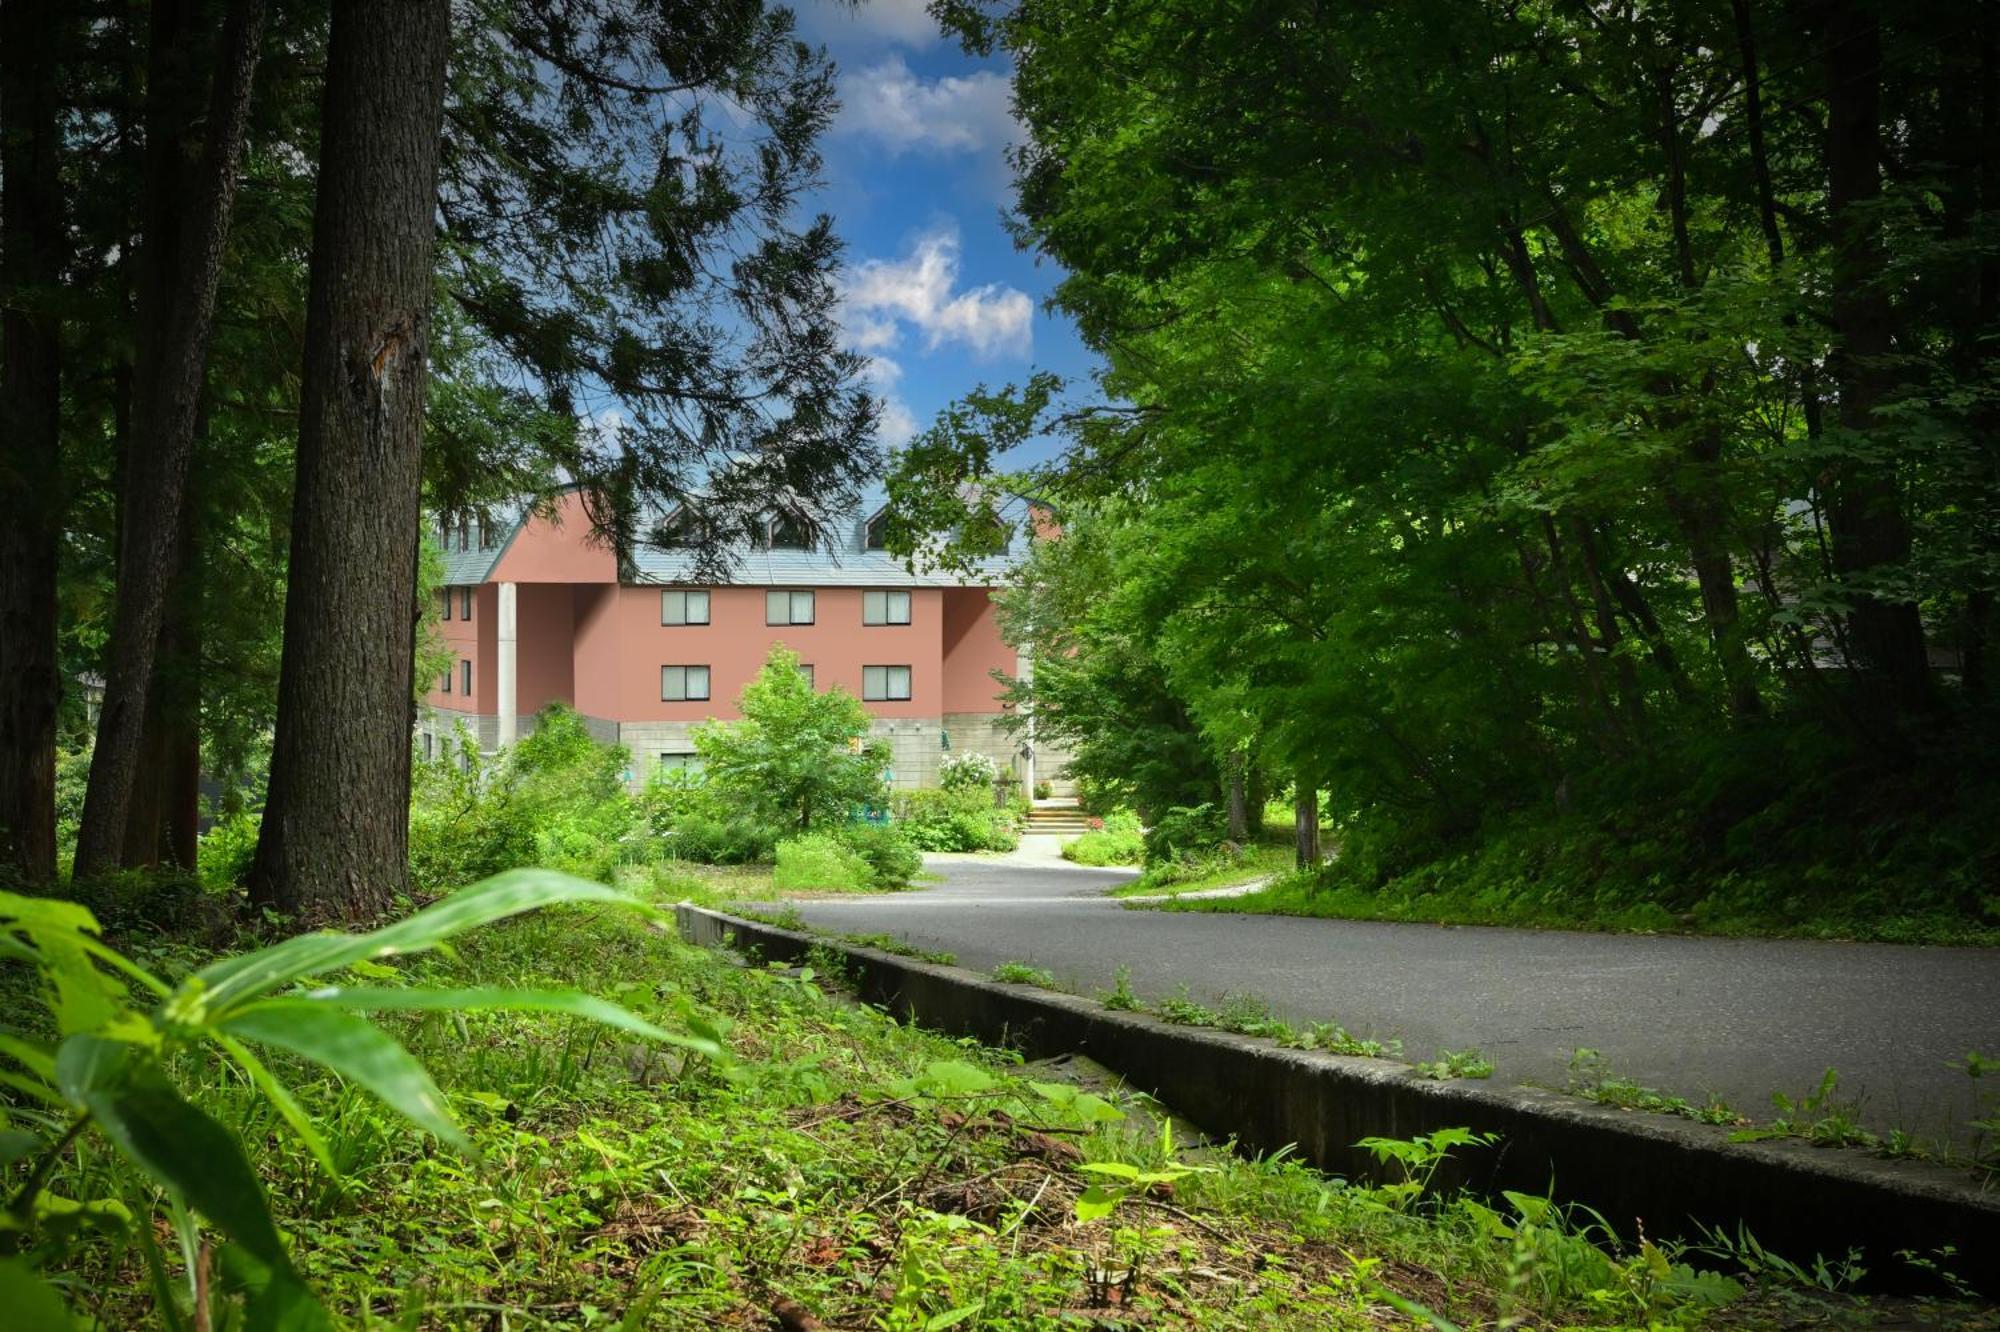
pixel 788 607
pixel 885 684
pixel 465 603
pixel 485 532
pixel 681 762
pixel 885 608
pixel 806 673
pixel 464 532
pixel 683 684
pixel 447 605
pixel 680 607
pixel 444 683
pixel 465 678
pixel 428 742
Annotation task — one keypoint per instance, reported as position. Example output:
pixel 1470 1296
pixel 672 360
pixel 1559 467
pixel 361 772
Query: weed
pixel 1183 1011
pixel 1591 1078
pixel 1455 1064
pixel 1333 1038
pixel 1020 973
pixel 1741 1249
pixel 1120 996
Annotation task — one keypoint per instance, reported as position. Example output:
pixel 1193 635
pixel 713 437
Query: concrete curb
pixel 1243 889
pixel 1636 1169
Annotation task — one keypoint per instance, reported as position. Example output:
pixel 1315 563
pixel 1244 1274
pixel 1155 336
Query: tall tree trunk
pixel 1305 825
pixel 1863 510
pixel 31 263
pixel 176 317
pixel 1239 805
pixel 335 837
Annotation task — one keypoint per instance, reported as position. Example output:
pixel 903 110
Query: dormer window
pixel 786 532
pixel 878 531
pixel 683 530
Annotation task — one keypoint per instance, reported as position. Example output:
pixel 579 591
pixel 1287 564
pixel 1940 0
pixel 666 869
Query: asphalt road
pixel 1739 1018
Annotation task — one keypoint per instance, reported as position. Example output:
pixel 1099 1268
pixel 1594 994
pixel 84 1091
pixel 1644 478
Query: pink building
pixel 536 612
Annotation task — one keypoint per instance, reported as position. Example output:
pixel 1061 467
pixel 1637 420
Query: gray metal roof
pixel 848 564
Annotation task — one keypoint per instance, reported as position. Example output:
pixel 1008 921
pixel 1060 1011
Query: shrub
pixel 1043 790
pixel 963 820
pixel 557 798
pixel 820 860
pixel 892 860
pixel 1118 842
pixel 225 851
pixel 686 818
pixel 1185 832
pixel 968 771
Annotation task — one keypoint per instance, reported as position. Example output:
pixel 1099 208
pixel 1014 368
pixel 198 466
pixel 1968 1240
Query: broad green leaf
pixel 953 1317
pixel 83 997
pixel 17 1145
pixel 36 1057
pixel 356 1049
pixel 281 1096
pixel 572 1002
pixel 132 1103
pixel 1115 1169
pixel 954 1077
pixel 275 1301
pixel 1097 1201
pixel 235 979
pixel 32 1304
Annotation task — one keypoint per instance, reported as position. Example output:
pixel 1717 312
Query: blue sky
pixel 934 290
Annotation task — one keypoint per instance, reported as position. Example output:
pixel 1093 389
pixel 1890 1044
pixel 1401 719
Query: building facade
pixel 536 611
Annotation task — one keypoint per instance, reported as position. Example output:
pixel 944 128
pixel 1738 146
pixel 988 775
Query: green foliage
pixel 1455 1064
pixel 799 755
pixel 692 820
pixel 1021 973
pixel 557 798
pixel 1118 842
pixel 227 848
pixel 962 820
pixel 1591 1078
pixel 892 861
pixel 1184 832
pixel 820 862
pixel 105 1064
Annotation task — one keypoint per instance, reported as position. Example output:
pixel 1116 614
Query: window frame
pixel 887 696
pixel 684 593
pixel 444 682
pixel 446 617
pixel 806 670
pixel 792 596
pixel 465 603
pixel 465 676
pixel 707 682
pixel 887 599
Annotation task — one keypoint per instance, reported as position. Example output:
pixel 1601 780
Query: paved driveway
pixel 1741 1018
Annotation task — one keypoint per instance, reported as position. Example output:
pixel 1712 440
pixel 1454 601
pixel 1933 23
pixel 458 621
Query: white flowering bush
pixel 968 771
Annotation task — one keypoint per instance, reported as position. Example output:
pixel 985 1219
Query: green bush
pixel 892 861
pixel 1118 842
pixel 1185 832
pixel 799 757
pixel 968 771
pixel 963 820
pixel 556 798
pixel 820 861
pixel 686 818
pixel 225 851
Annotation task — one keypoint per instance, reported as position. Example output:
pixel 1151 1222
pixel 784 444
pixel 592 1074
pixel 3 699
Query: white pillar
pixel 505 678
pixel 1024 671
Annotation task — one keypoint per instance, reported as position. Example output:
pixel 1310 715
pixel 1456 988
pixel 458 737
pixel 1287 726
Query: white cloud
pixel 892 104
pixel 898 424
pixel 872 23
pixel 883 294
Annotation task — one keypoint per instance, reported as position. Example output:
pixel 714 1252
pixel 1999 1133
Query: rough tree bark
pixel 1863 511
pixel 31 238
pixel 176 316
pixel 1239 802
pixel 335 837
pixel 1305 825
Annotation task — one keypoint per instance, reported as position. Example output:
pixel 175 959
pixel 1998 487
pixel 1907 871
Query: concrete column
pixel 506 704
pixel 1024 671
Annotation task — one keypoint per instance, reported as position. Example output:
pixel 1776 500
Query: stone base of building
pixel 917 745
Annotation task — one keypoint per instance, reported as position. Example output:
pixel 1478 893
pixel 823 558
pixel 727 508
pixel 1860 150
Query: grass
pixel 840 1169
pixel 1256 861
pixel 1021 973
pixel 1296 894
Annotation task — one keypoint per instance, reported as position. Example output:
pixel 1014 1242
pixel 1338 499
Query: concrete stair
pixel 1057 819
